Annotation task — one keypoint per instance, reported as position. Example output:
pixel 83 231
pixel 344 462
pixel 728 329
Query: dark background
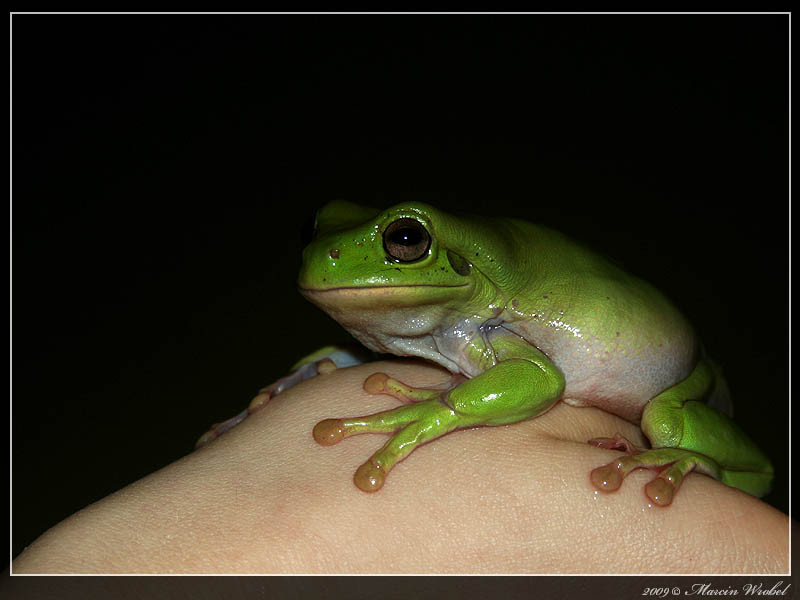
pixel 163 167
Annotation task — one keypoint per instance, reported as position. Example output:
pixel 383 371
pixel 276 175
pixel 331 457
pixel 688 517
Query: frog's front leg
pixel 513 390
pixel 686 434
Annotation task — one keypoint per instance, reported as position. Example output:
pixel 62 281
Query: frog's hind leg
pixel 321 362
pixel 687 435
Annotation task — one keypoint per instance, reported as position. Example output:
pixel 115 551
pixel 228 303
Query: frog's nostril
pixel 334 253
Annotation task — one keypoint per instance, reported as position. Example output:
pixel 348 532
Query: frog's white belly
pixel 616 377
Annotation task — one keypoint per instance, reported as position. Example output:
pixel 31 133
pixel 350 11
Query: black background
pixel 163 167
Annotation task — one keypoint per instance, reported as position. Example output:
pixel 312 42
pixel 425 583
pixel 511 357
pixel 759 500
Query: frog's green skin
pixel 523 317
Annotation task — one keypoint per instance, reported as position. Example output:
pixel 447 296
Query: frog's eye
pixel 406 240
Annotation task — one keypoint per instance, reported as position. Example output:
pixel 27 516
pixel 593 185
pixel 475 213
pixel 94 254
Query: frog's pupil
pixel 407 237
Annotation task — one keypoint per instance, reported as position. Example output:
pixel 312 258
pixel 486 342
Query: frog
pixel 522 317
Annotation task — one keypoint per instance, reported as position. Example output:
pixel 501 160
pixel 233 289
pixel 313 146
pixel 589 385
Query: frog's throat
pixel 395 320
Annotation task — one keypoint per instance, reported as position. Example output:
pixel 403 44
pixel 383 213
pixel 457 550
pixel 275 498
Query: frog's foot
pixel 424 417
pixel 265 394
pixel 257 403
pixel 322 362
pixel 672 464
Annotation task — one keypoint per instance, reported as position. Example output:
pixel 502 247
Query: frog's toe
pixel 332 431
pixel 369 477
pixel 381 383
pixel 325 366
pixel 617 442
pixel 259 401
pixel 608 478
pixel 376 383
pixel 660 492
pixel 329 432
pixel 217 429
pixel 663 488
pixel 207 437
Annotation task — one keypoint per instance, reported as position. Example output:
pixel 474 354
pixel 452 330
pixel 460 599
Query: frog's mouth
pixel 369 288
pixel 381 295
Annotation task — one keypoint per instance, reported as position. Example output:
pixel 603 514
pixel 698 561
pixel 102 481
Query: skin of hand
pixel 265 498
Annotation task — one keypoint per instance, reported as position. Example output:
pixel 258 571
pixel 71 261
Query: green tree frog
pixel 523 317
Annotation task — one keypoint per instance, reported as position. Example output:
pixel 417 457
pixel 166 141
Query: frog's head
pixel 404 271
